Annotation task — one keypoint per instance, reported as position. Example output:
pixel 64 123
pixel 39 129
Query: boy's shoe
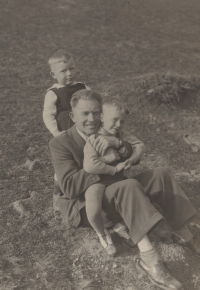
pixel 107 243
pixel 159 275
pixel 122 231
pixel 193 244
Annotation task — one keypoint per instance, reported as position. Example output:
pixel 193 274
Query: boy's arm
pixel 49 113
pixel 92 163
pixel 138 146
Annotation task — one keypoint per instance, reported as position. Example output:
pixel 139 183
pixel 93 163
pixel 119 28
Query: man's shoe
pixel 193 245
pixel 122 231
pixel 107 243
pixel 160 276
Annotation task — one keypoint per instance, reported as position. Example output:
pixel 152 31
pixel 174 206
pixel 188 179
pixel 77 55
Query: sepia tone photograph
pixel 100 145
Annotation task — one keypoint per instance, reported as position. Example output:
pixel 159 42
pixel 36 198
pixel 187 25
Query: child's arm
pixel 49 113
pixel 92 164
pixel 138 149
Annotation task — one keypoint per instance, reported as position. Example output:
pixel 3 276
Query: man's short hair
pixel 58 56
pixel 85 95
pixel 116 103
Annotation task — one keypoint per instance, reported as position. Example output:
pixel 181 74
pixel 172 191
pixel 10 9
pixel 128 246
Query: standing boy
pixel 57 99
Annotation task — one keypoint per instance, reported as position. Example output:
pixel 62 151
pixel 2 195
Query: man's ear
pixel 71 114
pixel 52 74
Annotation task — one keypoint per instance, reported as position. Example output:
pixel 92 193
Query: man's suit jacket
pixel 73 180
pixel 67 158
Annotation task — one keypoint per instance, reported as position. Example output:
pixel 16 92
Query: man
pixel 125 199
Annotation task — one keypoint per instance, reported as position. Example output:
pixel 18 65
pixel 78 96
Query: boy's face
pixel 64 72
pixel 113 119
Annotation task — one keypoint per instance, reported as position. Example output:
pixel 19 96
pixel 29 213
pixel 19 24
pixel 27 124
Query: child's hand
pixel 120 167
pixel 128 163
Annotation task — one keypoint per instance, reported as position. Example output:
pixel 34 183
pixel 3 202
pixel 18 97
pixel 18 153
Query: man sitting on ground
pixel 129 200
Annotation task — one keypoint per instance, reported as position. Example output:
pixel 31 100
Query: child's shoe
pixel 122 231
pixel 107 243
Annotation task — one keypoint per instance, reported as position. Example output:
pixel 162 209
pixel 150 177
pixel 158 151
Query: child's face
pixel 113 119
pixel 64 72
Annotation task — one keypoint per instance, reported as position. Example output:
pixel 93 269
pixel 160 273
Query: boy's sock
pixel 95 218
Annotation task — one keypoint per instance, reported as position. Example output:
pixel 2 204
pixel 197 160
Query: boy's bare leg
pixel 93 196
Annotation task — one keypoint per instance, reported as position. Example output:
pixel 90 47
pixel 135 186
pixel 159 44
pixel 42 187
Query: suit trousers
pixel 131 200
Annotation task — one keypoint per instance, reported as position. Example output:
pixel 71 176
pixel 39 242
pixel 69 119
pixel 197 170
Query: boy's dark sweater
pixel 64 96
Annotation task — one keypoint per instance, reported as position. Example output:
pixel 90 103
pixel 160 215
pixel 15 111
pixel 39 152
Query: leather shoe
pixel 107 243
pixel 193 244
pixel 160 276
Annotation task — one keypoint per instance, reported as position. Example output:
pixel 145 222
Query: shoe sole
pixel 140 268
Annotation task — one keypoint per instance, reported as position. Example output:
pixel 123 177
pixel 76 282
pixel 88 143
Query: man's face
pixel 113 120
pixel 86 115
pixel 64 72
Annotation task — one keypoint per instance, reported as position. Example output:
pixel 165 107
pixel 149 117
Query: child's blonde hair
pixel 116 103
pixel 58 56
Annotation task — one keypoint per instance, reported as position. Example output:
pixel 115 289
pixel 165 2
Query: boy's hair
pixel 116 103
pixel 58 56
pixel 85 95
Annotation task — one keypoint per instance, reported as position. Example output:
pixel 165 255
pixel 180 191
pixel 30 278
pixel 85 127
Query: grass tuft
pixel 167 88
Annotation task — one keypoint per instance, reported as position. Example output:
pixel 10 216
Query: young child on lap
pixel 113 117
pixel 57 99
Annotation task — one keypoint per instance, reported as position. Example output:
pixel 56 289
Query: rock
pixel 87 283
pixel 193 142
pixel 29 164
pixel 33 194
pixel 18 206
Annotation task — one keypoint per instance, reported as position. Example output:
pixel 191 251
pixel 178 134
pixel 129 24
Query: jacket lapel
pixel 80 142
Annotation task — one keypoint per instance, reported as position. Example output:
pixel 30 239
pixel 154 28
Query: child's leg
pixel 93 196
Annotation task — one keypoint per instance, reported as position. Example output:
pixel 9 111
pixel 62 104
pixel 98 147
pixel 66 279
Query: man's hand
pixel 128 163
pixel 110 156
pixel 102 143
pixel 120 167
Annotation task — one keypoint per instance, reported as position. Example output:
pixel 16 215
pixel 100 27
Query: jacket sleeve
pixel 93 164
pixel 72 179
pixel 138 146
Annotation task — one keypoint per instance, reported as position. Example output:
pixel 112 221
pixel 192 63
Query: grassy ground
pixel 145 51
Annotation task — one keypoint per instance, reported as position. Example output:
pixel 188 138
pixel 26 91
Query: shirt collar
pixel 102 131
pixel 61 86
pixel 82 134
